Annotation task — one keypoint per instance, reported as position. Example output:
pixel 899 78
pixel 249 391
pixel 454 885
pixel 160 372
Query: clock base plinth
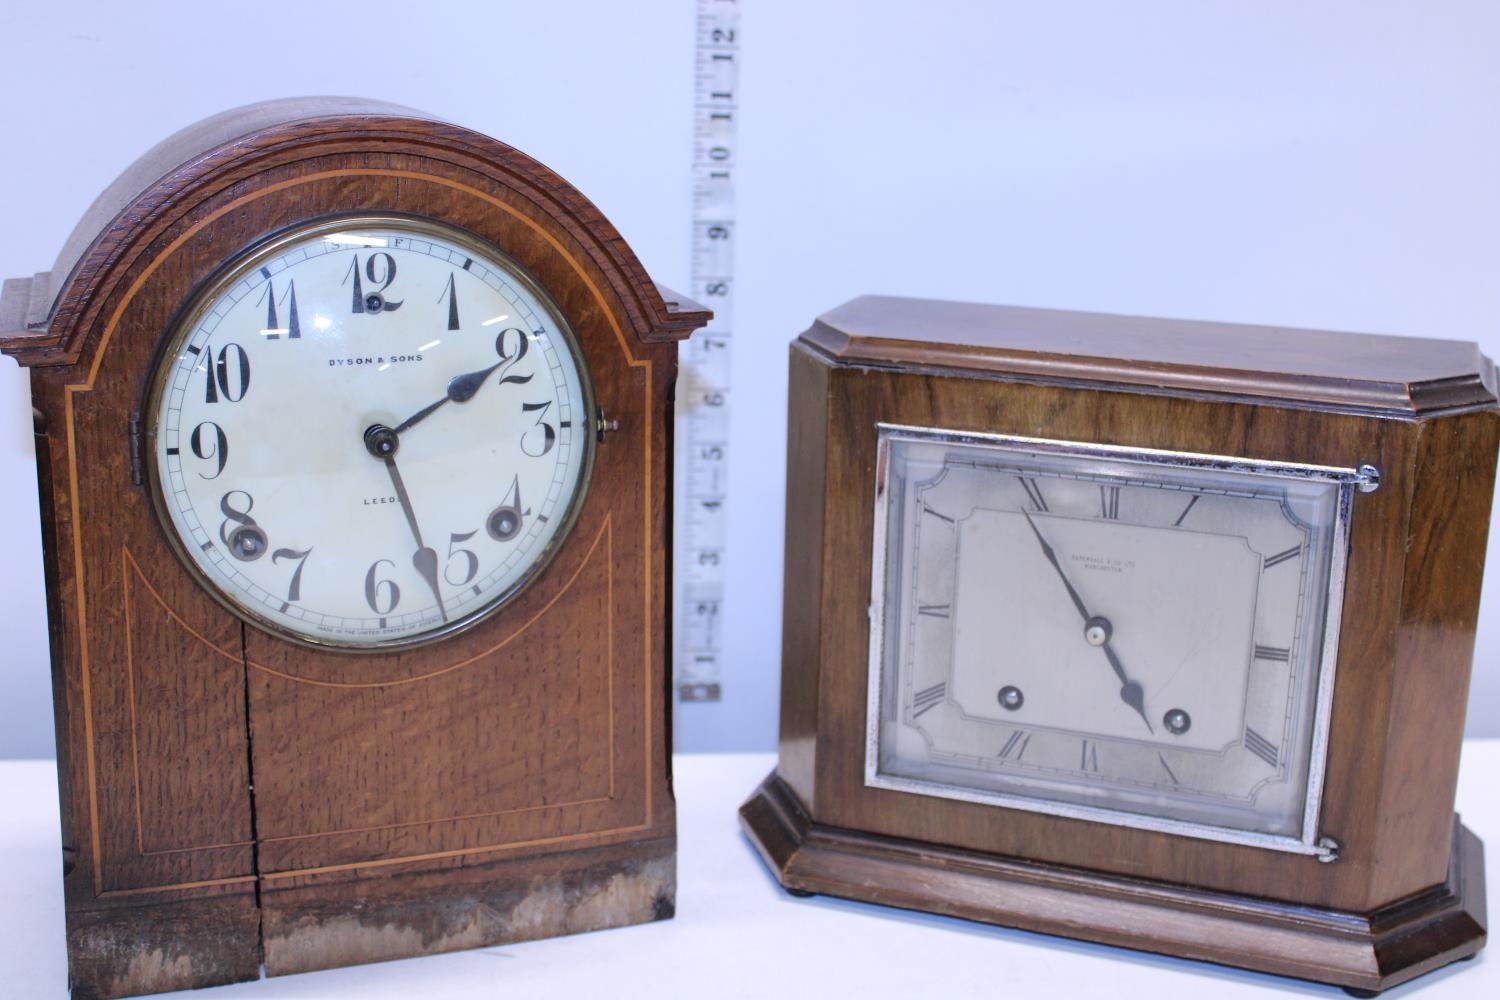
pixel 313 924
pixel 1366 952
pixel 312 927
pixel 125 951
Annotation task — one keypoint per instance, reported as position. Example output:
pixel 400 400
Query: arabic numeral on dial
pixel 228 374
pixel 380 270
pixel 381 595
pixel 246 542
pixel 467 556
pixel 294 589
pixel 451 294
pixel 287 300
pixel 511 344
pixel 504 522
pixel 549 433
pixel 210 445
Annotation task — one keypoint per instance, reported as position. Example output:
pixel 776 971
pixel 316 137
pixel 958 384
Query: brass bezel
pixel 203 297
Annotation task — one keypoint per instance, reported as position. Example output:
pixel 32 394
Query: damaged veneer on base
pixel 200 943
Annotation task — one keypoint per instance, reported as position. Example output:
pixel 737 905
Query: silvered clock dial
pixel 1144 638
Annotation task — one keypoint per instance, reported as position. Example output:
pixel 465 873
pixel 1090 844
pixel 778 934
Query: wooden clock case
pixel 1407 891
pixel 230 799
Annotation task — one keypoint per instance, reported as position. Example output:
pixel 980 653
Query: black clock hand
pixel 1131 692
pixel 461 388
pixel 424 560
pixel 1052 558
pixel 382 442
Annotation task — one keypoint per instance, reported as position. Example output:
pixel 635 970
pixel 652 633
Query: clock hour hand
pixel 1096 632
pixel 1131 692
pixel 382 442
pixel 461 388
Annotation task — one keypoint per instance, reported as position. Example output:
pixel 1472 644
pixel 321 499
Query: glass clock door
pixel 1139 637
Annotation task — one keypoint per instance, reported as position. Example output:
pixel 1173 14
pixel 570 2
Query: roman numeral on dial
pixel 1109 503
pixel 1281 557
pixel 1262 747
pixel 1033 493
pixel 1088 759
pixel 927 699
pixel 1178 523
pixel 1015 746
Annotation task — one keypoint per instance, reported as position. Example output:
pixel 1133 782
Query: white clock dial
pixel 370 432
pixel 1067 627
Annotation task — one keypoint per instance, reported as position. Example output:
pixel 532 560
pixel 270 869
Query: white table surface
pixel 736 934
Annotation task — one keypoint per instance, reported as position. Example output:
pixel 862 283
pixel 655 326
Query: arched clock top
pixel 46 319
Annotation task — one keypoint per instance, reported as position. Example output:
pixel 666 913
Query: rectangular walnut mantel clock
pixel 353 431
pixel 1149 632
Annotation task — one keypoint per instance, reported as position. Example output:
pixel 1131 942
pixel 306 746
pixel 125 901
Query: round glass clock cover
pixel 370 432
pixel 1139 638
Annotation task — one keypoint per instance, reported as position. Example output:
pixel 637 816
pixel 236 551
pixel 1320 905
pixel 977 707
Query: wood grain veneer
pixel 230 799
pixel 1423 412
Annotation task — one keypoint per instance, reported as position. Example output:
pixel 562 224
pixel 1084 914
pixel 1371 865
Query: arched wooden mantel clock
pixel 353 434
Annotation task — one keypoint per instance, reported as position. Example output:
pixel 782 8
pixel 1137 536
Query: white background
pixel 1331 165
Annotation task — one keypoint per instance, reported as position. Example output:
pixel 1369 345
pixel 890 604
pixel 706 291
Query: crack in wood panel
pixel 130 570
pixel 604 538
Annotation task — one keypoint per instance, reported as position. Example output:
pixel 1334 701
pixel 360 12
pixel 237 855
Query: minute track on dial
pixel 244 407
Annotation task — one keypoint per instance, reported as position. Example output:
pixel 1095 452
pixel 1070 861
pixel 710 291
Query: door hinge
pixel 137 473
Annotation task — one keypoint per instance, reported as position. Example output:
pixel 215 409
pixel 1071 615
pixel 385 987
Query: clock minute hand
pixel 1131 692
pixel 1052 558
pixel 382 442
pixel 424 560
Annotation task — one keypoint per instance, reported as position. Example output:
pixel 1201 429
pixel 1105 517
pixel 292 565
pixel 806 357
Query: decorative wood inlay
pixel 551 774
pixel 133 576
pixel 602 537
